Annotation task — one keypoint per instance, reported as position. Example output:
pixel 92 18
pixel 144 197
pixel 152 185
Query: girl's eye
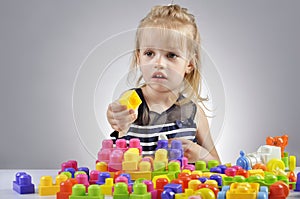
pixel 148 53
pixel 172 55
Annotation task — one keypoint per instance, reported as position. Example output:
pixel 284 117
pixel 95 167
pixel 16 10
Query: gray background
pixel 254 45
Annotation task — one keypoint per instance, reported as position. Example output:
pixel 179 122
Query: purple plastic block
pixel 85 169
pixel 217 178
pixel 162 144
pixel 223 168
pixel 215 170
pixel 102 177
pixel 174 154
pixel 127 175
pixel 23 184
pixel 71 170
pixel 298 182
pixel 176 188
pixel 203 179
pixel 177 144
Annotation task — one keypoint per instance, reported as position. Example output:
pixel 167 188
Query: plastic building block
pixel 162 144
pixel 185 177
pixel 104 152
pixel 131 160
pixel 201 166
pixel 170 190
pixel 47 188
pixel 135 143
pixel 275 166
pixel 85 169
pixel 121 144
pixel 106 189
pixel 68 174
pixel 159 184
pixel 150 188
pixel 83 179
pixel 217 178
pixel 66 189
pixel 120 191
pixel 130 99
pixel 94 176
pixel 160 160
pixel 211 187
pixel 193 184
pixel 243 161
pixel 298 182
pixel 140 174
pixel 186 195
pixel 140 192
pixel 22 183
pixel 79 192
pixel 101 166
pixel 102 177
pixel 279 190
pixel 243 190
pixel 69 164
pixel 115 160
pixel 205 193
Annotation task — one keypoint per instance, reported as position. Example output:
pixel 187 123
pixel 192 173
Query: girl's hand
pixel 120 118
pixel 193 151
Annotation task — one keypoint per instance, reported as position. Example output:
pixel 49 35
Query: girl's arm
pixel 204 138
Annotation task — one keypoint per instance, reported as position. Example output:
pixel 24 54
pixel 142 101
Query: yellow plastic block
pixel 197 172
pixel 193 184
pixel 106 189
pixel 140 174
pixel 206 193
pixel 186 171
pixel 207 174
pixel 131 99
pixel 212 182
pixel 130 165
pixel 144 166
pixel 187 193
pixel 46 187
pixel 101 166
pixel 243 190
pixel 258 172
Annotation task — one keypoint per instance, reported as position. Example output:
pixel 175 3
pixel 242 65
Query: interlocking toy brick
pixel 115 160
pixel 150 188
pixel 102 177
pixel 130 99
pixel 131 160
pixel 47 188
pixel 66 189
pixel 140 192
pixel 23 184
pixel 170 190
pixel 82 178
pixel 101 166
pixel 79 192
pixel 193 184
pixel 121 191
pixel 106 188
pixel 94 176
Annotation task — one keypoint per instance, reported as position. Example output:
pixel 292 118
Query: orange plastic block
pixel 66 189
pixel 280 141
pixel 46 187
pixel 131 99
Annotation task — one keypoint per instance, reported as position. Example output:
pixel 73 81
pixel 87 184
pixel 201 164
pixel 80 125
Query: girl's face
pixel 163 63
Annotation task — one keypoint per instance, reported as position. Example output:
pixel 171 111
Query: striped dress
pixel 177 121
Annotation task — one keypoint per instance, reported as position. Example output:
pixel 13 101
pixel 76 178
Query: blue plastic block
pixel 23 184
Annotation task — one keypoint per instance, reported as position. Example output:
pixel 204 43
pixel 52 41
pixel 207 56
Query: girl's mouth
pixel 159 75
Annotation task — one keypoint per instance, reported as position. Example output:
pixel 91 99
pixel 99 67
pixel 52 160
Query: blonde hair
pixel 176 19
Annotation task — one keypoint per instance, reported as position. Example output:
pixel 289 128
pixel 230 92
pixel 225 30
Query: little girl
pixel 167 53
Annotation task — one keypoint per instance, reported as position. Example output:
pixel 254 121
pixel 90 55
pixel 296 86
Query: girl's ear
pixel 189 68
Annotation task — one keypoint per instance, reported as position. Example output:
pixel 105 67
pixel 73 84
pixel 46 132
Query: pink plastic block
pixel 230 171
pixel 185 161
pixel 107 144
pixel 94 175
pixel 74 164
pixel 83 179
pixel 115 161
pixel 189 167
pixel 150 188
pixel 121 144
pixel 103 155
pixel 135 143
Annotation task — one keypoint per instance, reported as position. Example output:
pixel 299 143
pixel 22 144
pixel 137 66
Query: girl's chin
pixel 159 87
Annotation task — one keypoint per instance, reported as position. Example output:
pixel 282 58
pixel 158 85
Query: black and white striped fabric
pixel 175 122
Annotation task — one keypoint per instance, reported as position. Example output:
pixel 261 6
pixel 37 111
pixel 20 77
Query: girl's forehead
pixel 162 39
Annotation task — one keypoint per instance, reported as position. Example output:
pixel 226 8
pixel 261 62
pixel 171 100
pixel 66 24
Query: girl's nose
pixel 160 62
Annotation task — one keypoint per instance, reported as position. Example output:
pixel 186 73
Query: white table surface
pixel 8 176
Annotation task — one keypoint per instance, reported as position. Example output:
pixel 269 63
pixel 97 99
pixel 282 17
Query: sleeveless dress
pixel 175 122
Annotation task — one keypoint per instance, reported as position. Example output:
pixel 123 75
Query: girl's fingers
pixel 116 107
